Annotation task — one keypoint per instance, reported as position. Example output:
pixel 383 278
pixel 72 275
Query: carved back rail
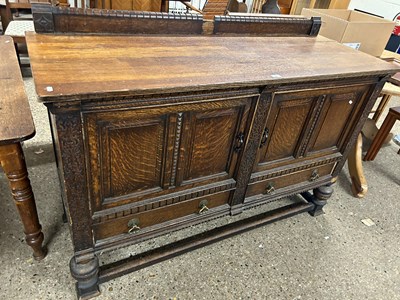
pixel 271 25
pixel 53 19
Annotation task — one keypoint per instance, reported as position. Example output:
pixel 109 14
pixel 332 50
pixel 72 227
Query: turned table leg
pixel 359 185
pixel 13 163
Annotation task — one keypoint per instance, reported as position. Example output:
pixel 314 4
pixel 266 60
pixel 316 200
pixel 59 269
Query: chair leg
pixel 359 186
pixel 381 107
pixel 380 137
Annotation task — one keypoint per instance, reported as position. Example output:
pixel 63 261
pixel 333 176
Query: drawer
pixel 270 186
pixel 144 220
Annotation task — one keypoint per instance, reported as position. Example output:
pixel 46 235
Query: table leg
pixel 13 163
pixel 381 107
pixel 380 137
pixel 359 185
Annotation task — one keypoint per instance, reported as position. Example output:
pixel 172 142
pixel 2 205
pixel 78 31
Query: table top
pixel 65 67
pixel 16 123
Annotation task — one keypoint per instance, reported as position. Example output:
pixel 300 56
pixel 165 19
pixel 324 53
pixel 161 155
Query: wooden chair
pixel 388 91
pixel 214 8
pixel 377 136
pixel 211 8
pixel 391 118
pixel 284 6
pixel 16 28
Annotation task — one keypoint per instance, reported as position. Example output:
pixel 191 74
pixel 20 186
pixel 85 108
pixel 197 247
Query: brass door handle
pixel 264 138
pixel 314 175
pixel 133 225
pixel 203 206
pixel 240 143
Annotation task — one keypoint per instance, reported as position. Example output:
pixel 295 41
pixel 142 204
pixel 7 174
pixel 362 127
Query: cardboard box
pixel 369 33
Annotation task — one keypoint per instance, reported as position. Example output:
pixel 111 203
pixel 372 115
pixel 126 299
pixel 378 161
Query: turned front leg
pixel 318 198
pixel 13 163
pixel 86 274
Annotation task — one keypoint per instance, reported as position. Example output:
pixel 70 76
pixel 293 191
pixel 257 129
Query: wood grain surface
pixel 16 122
pixel 64 66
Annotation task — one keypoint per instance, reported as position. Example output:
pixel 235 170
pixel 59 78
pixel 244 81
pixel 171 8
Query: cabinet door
pixel 337 119
pixel 287 123
pixel 129 152
pixel 212 140
pixel 305 124
pixel 142 154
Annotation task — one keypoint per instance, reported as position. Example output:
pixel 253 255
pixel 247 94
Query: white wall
pixel 384 8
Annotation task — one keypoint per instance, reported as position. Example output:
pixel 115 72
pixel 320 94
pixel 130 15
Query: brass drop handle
pixel 203 206
pixel 264 138
pixel 133 225
pixel 269 189
pixel 240 139
pixel 314 175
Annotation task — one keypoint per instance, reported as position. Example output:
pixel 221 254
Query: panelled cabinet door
pixel 288 121
pixel 337 119
pixel 129 153
pixel 309 123
pixel 213 137
pixel 139 154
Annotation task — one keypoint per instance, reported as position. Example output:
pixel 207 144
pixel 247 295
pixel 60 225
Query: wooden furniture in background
pixel 6 11
pixel 16 125
pixel 17 28
pixel 388 91
pixel 136 5
pixel 359 183
pixel 215 8
pixel 298 5
pixel 391 118
pixel 284 6
pixel 166 131
pixel 294 7
pixel 370 131
pixel 359 186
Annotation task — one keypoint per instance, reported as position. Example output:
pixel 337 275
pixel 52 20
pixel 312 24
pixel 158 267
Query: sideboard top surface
pixel 65 66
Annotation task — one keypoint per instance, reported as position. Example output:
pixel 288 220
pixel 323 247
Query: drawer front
pixel 272 185
pixel 143 220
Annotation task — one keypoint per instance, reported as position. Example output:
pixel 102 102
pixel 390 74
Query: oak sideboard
pixel 158 132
